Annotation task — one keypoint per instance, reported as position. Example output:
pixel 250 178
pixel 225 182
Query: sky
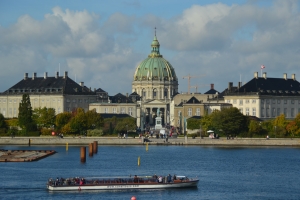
pixel 102 42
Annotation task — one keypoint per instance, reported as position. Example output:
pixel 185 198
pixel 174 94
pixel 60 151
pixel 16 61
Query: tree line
pixel 230 121
pixel 44 121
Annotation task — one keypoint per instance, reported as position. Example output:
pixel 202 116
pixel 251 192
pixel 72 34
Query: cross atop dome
pixel 155 46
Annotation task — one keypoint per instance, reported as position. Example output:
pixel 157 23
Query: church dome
pixel 155 67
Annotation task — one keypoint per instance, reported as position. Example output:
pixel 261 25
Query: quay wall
pixel 154 141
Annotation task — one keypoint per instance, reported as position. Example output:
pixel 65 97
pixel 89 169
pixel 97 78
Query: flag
pixel 262 67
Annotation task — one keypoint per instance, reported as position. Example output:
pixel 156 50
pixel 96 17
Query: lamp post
pixel 275 131
pixel 126 130
pixel 200 131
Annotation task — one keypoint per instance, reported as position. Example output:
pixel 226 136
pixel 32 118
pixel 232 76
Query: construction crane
pixel 196 86
pixel 189 79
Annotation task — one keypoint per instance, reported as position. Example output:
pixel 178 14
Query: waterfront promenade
pixel 154 141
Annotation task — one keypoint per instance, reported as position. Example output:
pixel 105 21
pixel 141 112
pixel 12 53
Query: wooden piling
pixel 29 142
pixel 91 149
pixel 82 154
pixel 95 147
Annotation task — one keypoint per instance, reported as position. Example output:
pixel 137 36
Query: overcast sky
pixel 101 43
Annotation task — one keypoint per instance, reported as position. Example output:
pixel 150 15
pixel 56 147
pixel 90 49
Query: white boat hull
pixel 125 186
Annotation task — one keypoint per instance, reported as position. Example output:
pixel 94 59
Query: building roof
pixel 268 86
pixel 155 67
pixel 193 100
pixel 111 115
pixel 120 98
pixel 48 85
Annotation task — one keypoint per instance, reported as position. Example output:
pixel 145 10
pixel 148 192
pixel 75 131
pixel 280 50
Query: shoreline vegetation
pixel 205 141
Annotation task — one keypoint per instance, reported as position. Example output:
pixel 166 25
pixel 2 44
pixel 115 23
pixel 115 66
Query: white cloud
pixel 218 40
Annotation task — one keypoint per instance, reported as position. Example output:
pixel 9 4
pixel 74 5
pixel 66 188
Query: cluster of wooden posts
pixel 93 149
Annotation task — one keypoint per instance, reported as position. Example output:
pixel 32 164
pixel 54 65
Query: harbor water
pixel 224 172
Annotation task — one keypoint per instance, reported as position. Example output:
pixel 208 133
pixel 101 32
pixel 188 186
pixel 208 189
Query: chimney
pixel 212 86
pixel 294 77
pixel 230 84
pixel 256 75
pixel 45 75
pixel 285 76
pixel 265 75
pixel 33 76
pixel 56 76
pixel 65 75
pixel 240 84
pixel 25 76
pixel 81 84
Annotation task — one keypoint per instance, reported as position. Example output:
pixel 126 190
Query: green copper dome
pixel 155 67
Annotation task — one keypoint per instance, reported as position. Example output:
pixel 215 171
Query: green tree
pixel 206 123
pixel 94 120
pixel 78 123
pixel 2 121
pixel 292 128
pixel 25 114
pixel 62 119
pixel 254 127
pixel 193 123
pixel 44 117
pixel 229 120
pixel 279 126
pixel 125 124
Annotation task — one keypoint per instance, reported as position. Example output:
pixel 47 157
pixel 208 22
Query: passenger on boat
pixel 160 179
pixel 135 179
pixel 169 178
pixel 174 177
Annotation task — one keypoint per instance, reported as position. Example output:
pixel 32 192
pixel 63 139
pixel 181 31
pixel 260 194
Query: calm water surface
pixel 225 173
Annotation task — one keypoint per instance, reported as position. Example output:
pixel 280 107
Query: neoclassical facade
pixel 155 81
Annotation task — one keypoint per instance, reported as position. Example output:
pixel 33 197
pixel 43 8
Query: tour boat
pixel 121 183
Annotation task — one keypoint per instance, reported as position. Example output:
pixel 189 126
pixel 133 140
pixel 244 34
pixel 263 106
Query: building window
pixel 268 101
pixel 298 101
pixel 285 112
pixel 130 111
pixel 154 94
pixel 267 112
pixel 298 110
pixel 68 109
pixel 105 110
pixel 241 102
pixel 292 112
pixel 80 100
pixel 241 110
pixel 15 111
pixel 68 100
pixel 58 110
pixel 278 101
pixel 74 100
pixel 262 101
pixel 15 101
pixel 292 101
pixel 198 111
pixel 166 93
pixel 262 112
pixel 234 101
pixel 253 100
pixel 190 112
pixel 247 101
pixel 247 111
pixel 114 110
pixel 144 93
pixel 179 112
pixel 123 110
pixel 10 112
pixel 278 111
pixel 273 112
pixel 285 101
pixel 273 101
pixel 253 111
pixel 228 100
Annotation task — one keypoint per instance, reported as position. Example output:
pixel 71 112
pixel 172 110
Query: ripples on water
pixel 225 173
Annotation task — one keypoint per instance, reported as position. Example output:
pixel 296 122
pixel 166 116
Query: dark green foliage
pixel 62 119
pixel 25 114
pixel 2 121
pixel 229 121
pixel 44 117
pixel 193 123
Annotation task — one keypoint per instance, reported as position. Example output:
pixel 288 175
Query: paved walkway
pixel 154 141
